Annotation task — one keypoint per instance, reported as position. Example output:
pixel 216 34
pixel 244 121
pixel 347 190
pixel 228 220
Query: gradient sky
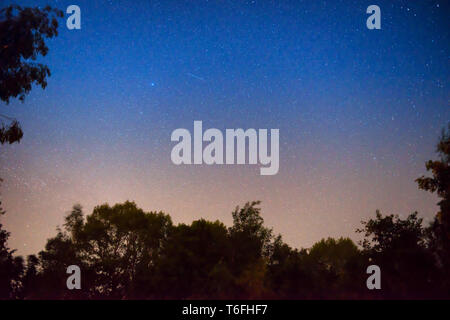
pixel 359 112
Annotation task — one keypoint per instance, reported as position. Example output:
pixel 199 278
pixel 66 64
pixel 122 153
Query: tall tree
pixel 248 230
pixel 22 40
pixel 111 246
pixel 439 183
pixel 252 245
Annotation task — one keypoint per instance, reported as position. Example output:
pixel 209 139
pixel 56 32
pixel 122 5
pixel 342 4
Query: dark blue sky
pixel 359 111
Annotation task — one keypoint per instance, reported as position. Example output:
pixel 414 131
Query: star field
pixel 359 112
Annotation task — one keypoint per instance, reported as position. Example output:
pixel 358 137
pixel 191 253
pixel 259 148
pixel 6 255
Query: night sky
pixel 359 112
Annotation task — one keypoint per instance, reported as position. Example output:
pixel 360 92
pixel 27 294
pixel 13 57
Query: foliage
pixel 22 39
pixel 439 183
pixel 127 253
pixel 11 267
pixel 398 247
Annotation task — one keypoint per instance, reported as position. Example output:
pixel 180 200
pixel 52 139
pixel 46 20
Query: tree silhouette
pixel 195 261
pixel 112 246
pixel 22 39
pixel 11 267
pixel 127 253
pixel 439 183
pixel 399 247
pixel 289 273
pixel 338 264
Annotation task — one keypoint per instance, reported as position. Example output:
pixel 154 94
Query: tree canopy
pixel 125 252
pixel 439 183
pixel 23 32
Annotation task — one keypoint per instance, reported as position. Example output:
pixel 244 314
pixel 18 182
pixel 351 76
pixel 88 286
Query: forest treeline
pixel 126 253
